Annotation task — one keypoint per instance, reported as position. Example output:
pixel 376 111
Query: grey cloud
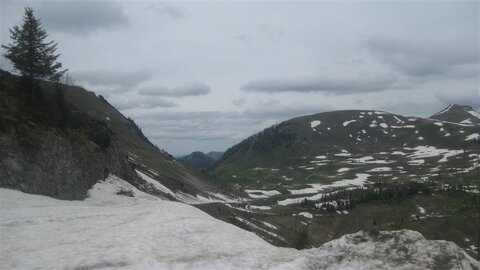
pixel 188 89
pixel 427 58
pixel 166 10
pixel 113 78
pixel 224 129
pixel 81 17
pixel 463 97
pixel 128 102
pixel 156 102
pixel 239 102
pixel 271 32
pixel 192 116
pixel 411 108
pixel 245 38
pixel 338 86
pixel 281 113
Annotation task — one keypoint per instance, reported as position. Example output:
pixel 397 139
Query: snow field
pixel 109 231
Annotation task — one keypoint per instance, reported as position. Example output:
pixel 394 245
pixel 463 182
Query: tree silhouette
pixel 30 54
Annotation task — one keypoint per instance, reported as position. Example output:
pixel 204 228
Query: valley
pixel 151 135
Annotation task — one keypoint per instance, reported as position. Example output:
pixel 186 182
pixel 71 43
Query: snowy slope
pixel 109 231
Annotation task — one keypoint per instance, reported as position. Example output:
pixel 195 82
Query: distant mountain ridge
pixel 216 155
pixel 198 160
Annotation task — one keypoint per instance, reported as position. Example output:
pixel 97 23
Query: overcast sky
pixel 205 75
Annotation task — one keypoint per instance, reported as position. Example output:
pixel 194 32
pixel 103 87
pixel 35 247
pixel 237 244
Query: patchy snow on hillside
pixel 315 123
pixel 260 207
pixel 383 125
pixel 358 181
pixel 346 123
pixel 110 231
pixel 155 183
pixel 473 136
pixel 184 197
pixel 380 169
pixel 405 126
pixel 258 193
pixel 344 153
pixel 341 170
pixel 431 151
pixel 306 214
pixel 445 110
pixel 474 113
pixel 466 121
pixel 416 162
pixel 368 160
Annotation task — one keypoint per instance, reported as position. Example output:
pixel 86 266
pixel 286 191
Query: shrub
pixel 124 191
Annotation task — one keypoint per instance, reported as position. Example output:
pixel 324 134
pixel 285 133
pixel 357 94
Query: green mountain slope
pixel 314 178
pixel 338 145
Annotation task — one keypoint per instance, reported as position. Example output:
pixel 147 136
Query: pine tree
pixel 30 54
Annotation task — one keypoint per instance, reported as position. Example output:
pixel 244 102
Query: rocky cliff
pixel 48 147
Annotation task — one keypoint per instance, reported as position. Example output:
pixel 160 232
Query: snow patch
pixel 444 110
pixel 315 123
pixel 341 170
pixel 358 181
pixel 466 121
pixel 346 123
pixel 306 214
pixel 398 119
pixel 473 136
pixel 416 162
pixel 260 207
pixel 475 114
pixel 380 169
pixel 258 193
pixel 431 151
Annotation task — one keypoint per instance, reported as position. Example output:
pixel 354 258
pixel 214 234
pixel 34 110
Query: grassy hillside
pixel 314 178
pixel 300 151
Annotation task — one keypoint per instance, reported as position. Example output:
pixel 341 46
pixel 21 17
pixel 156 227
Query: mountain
pixel 458 114
pixel 315 178
pixel 215 155
pixel 341 144
pixel 41 152
pixel 107 231
pixel 302 183
pixel 198 160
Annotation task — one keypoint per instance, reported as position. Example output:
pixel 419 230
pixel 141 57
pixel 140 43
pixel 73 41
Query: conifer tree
pixel 30 54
